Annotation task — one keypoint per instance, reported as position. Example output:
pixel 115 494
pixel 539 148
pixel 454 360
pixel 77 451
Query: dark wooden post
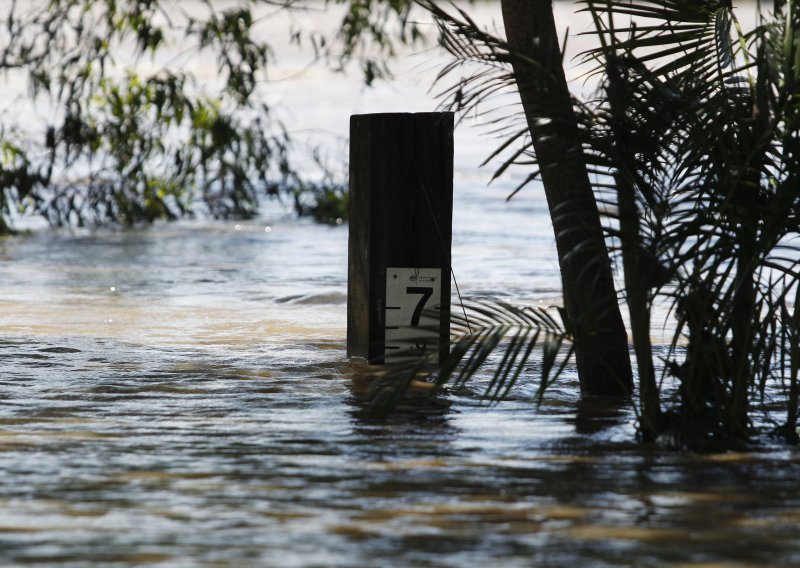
pixel 401 205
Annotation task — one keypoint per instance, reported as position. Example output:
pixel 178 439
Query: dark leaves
pixel 515 343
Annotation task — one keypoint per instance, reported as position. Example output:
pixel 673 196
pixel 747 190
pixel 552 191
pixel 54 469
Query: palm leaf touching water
pixel 490 334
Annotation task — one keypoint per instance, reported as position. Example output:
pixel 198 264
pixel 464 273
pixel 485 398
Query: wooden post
pixel 401 206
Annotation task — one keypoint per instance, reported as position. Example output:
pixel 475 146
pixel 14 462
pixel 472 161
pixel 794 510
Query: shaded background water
pixel 180 396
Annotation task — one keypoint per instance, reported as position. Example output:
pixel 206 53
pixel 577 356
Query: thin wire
pixel 444 248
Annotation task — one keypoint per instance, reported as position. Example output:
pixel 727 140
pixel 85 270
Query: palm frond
pixel 486 85
pixel 510 337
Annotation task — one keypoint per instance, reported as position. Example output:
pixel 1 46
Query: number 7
pixel 426 293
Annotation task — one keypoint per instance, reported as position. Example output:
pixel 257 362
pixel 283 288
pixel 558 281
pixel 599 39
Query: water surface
pixel 181 395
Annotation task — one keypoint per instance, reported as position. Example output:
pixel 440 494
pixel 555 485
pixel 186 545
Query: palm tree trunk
pixel 793 323
pixel 601 344
pixel 637 280
pixel 743 315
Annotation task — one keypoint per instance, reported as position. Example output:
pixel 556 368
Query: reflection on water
pixel 181 396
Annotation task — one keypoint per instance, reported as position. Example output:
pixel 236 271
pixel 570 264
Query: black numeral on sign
pixel 426 292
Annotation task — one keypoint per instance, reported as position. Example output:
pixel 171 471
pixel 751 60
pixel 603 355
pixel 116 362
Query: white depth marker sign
pixel 413 301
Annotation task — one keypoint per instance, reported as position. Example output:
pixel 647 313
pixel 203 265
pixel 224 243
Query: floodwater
pixel 180 396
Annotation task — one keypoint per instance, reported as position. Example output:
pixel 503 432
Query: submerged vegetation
pixel 131 134
pixel 129 145
pixel 692 146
